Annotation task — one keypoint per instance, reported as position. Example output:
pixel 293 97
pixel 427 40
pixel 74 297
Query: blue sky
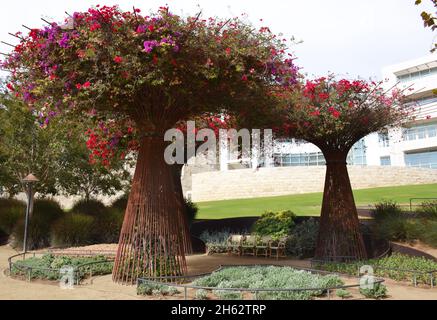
pixel 352 37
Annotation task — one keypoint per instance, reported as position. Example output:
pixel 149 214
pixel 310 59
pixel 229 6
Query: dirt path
pixel 102 288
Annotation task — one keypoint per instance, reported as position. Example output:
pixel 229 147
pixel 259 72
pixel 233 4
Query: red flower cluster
pixel 118 59
pixel 86 85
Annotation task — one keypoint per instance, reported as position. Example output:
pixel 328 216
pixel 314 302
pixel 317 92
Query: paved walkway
pixel 102 288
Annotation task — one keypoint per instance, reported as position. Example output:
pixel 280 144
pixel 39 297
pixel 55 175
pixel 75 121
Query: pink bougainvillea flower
pixel 244 77
pixel 78 86
pixel 150 45
pixel 87 84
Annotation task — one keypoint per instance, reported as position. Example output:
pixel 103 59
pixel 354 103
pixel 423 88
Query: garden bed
pixel 259 283
pixel 48 267
pixel 398 267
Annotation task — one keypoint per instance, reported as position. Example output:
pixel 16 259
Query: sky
pixel 352 38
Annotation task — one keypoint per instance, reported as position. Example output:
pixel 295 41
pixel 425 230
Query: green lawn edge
pixel 309 204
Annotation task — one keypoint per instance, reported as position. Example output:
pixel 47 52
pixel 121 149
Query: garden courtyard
pixel 103 288
pixel 99 109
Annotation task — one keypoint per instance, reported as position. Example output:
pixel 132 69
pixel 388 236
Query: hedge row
pixel 88 222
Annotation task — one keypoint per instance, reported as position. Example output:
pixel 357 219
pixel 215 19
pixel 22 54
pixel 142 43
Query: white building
pixel 415 145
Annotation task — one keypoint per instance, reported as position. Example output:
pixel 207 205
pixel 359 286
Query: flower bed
pixel 48 267
pixel 250 282
pixel 397 267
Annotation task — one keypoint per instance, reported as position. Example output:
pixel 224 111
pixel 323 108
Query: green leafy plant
pixel 379 291
pixel 201 295
pixel 342 293
pixel 275 224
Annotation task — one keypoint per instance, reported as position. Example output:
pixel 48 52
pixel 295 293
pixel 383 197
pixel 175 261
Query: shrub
pixel 387 209
pixel 344 294
pixel 10 213
pixel 394 225
pixel 89 207
pixel 275 224
pixel 392 229
pixel 191 210
pixel 73 230
pixel 215 242
pixel 121 203
pixel 379 291
pixel 400 262
pixel 45 212
pixel 201 295
pixel 107 226
pixel 149 289
pixel 428 210
pixel 302 240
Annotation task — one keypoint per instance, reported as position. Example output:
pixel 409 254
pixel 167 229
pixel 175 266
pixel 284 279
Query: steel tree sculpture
pixel 334 115
pixel 150 71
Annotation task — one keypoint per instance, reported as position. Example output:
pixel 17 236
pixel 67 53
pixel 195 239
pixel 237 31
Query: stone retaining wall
pixel 266 182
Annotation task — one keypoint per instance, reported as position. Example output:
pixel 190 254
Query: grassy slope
pixel 308 204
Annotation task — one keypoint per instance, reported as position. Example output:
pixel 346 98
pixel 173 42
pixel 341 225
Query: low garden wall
pixel 267 182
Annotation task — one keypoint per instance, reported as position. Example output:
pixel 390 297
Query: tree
pixel 81 175
pixel 152 71
pixel 334 115
pixel 55 153
pixel 429 19
pixel 26 147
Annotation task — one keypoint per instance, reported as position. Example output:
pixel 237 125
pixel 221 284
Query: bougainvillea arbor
pixel 334 115
pixel 148 72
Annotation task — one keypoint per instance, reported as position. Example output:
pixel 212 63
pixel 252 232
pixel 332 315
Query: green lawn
pixel 308 204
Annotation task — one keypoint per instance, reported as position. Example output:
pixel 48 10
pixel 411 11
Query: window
pixel 386 161
pixel 384 140
pixel 420 132
pixel 357 156
pixel 427 159
pixel 418 74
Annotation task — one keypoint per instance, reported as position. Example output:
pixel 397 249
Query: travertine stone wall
pixel 265 182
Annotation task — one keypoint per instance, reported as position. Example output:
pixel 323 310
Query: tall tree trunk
pixel 153 237
pixel 179 192
pixel 339 236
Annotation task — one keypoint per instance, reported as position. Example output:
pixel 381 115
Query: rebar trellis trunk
pixel 154 237
pixel 339 234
